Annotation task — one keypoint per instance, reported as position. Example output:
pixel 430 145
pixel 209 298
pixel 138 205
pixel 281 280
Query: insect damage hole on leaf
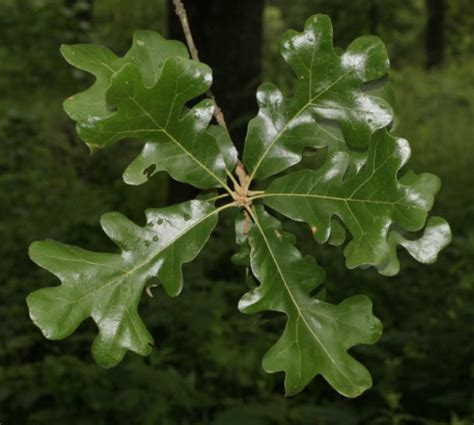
pixel 149 171
pixel 361 196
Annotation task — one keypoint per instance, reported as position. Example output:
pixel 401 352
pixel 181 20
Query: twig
pixel 232 178
pixel 183 18
pixel 215 198
pixel 242 175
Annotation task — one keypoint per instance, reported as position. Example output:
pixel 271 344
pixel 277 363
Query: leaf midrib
pixel 173 139
pixel 334 198
pixel 285 127
pixel 149 259
pixel 291 295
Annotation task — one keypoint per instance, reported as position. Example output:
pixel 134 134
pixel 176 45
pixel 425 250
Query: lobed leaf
pixel 108 286
pixel 317 334
pixel 149 51
pixel 177 143
pixel 329 88
pixel 143 95
pixel 368 203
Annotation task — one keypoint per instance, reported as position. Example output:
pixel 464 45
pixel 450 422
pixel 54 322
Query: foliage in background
pixel 128 15
pixel 402 24
pixel 459 29
pixel 44 170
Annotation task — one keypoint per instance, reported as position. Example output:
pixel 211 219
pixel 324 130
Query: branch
pixel 183 18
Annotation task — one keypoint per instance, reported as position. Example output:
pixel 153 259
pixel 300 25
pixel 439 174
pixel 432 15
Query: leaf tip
pixel 63 49
pixel 35 250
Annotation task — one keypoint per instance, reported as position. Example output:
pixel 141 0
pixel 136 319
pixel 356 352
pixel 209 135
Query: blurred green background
pixel 206 368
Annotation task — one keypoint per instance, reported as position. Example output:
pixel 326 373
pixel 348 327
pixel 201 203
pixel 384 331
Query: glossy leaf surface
pixel 148 90
pixel 108 286
pixel 328 89
pixel 436 236
pixel 368 203
pixel 175 143
pixel 149 51
pixel 317 334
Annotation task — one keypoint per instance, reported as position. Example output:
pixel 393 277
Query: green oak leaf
pixel 329 88
pixel 436 236
pixel 108 286
pixel 317 334
pixel 176 142
pixel 149 52
pixel 368 203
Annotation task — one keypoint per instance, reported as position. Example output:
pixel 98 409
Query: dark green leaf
pixel 163 79
pixel 328 89
pixel 149 52
pixel 368 203
pixel 437 235
pixel 108 286
pixel 317 334
pixel 175 143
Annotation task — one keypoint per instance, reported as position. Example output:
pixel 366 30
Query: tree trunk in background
pixel 435 37
pixel 228 35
